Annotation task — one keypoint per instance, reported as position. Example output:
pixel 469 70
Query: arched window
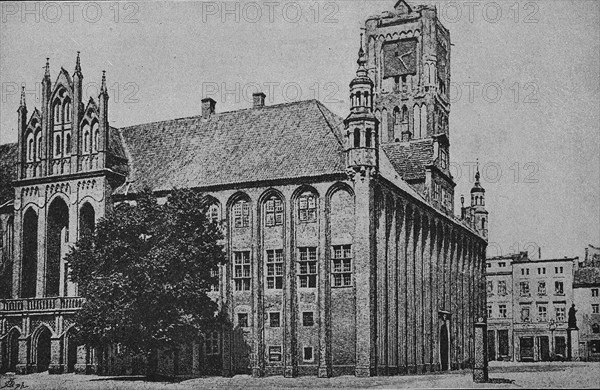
pixel 417 121
pixel 86 138
pixel 96 133
pixel 67 111
pixel 273 211
pixel 307 207
pixel 56 113
pixel 356 138
pixel 241 214
pixel 367 104
pixel 30 147
pixel 404 117
pixel 214 213
pixel 38 137
pixel 58 146
pixel 87 219
pixel 397 119
pixel 423 120
pixel 68 144
pixel 483 223
pixel 368 138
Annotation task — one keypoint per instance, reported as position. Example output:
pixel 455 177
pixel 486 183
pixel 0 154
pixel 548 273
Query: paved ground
pixel 503 375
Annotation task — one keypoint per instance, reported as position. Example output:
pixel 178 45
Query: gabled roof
pixel 292 140
pixel 8 172
pixel 410 158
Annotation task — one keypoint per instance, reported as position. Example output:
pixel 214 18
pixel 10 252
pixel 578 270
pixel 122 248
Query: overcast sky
pixel 525 85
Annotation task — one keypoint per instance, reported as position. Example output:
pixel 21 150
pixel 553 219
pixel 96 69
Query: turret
pixel 479 213
pixel 103 121
pixel 361 125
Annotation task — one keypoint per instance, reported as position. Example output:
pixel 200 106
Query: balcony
pixel 41 304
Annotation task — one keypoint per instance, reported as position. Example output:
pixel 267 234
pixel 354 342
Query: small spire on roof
pixel 103 87
pixel 77 64
pixel 47 72
pixel 477 175
pixel 22 96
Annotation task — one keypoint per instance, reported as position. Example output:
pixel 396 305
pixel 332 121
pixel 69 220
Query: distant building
pixel 527 306
pixel 586 289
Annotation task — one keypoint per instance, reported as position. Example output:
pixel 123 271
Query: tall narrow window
pixel 423 122
pixel 404 117
pixel 30 152
pixel 356 138
pixel 96 140
pixel 559 288
pixel 57 146
pixel 242 270
pixel 560 313
pixel 275 269
pixel 68 144
pixel 56 113
pixel 397 117
pixel 368 138
pixel 213 344
pixel 307 267
pixel 342 265
pixel 86 138
pixel 214 213
pixel 307 207
pixel 274 211
pixel 417 121
pixel 39 145
pixel 542 313
pixel 67 111
pixel 241 214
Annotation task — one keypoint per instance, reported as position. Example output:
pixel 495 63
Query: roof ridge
pixel 279 105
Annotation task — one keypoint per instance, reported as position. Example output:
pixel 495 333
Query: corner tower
pixel 479 213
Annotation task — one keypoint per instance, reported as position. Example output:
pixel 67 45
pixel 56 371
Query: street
pixel 502 375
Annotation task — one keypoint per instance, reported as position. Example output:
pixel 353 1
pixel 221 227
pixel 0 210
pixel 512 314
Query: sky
pixel 524 91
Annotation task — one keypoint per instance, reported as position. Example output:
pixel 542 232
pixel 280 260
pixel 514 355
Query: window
pixel 274 211
pixel 489 311
pixel 214 213
pixel 274 319
pixel 524 288
pixel 275 269
pixel 502 287
pixel 275 353
pixel 308 318
pixel 443 158
pixel 213 344
pixel 308 354
pixel 502 310
pixel 558 270
pixel 490 287
pixel 595 328
pixel 542 313
pixel 241 271
pixel 541 271
pixel 356 138
pixel 30 148
pixel 243 320
pixel 368 138
pixel 342 266
pixel 541 288
pixel 95 146
pixel 525 314
pixel 56 113
pixel 524 271
pixel 307 268
pixel 560 313
pixel 594 292
pixel 595 308
pixel 68 144
pixel 559 288
pixel 214 273
pixel 502 264
pixel 489 265
pixel 241 214
pixel 57 145
pixel 67 113
pixel 86 138
pixel 307 208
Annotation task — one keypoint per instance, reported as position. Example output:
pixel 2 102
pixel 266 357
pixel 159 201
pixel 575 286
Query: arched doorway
pixel 30 254
pixel 70 350
pixel 43 349
pixel 444 347
pixel 57 234
pixel 13 349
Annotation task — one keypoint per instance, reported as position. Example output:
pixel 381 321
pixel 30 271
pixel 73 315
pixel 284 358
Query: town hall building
pixel 344 252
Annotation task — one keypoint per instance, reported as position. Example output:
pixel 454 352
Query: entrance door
pixel 444 348
pixel 544 345
pixel 13 350
pixel 560 347
pixel 526 348
pixel 503 343
pixel 491 342
pixel 43 350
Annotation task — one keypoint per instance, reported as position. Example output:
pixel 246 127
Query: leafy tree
pixel 145 272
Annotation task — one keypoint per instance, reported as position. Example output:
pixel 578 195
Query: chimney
pixel 259 99
pixel 208 107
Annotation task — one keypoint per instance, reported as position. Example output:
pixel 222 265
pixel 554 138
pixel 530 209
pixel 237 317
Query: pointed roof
pixel 284 141
pixel 63 78
pixel 78 66
pixel 402 7
pixel 477 186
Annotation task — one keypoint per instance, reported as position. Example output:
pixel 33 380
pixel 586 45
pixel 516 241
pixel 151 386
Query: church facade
pixel 344 253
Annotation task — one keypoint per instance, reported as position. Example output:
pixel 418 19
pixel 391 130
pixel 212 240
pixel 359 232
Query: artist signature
pixel 11 384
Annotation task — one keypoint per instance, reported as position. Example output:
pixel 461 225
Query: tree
pixel 145 272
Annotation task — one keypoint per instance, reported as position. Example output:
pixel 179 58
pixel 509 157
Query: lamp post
pixel 552 326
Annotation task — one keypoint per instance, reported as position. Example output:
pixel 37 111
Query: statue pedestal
pixel 480 363
pixel 573 343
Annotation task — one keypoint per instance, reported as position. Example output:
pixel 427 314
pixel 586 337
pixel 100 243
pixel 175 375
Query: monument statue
pixel 572 317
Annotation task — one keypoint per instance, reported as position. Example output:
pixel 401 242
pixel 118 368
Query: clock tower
pixel 408 59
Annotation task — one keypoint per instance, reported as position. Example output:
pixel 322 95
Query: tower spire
pixel 77 64
pixel 103 87
pixel 47 71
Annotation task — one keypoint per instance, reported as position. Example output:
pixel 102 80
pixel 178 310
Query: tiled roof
pixel 587 276
pixel 300 139
pixel 8 173
pixel 410 158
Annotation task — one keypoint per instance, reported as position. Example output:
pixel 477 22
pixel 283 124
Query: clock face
pixel 400 58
